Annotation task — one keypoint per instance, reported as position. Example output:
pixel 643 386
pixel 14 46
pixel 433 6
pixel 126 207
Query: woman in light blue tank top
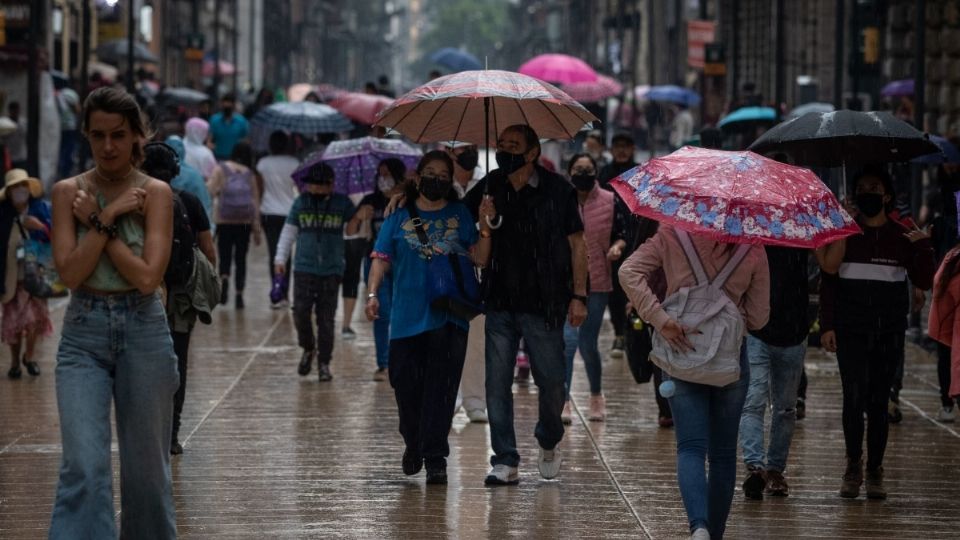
pixel 112 232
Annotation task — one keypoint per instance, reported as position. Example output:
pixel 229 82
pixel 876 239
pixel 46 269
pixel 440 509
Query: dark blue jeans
pixel 707 420
pixel 545 348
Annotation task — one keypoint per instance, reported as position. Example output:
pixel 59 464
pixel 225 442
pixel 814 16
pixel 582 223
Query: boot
pixel 852 479
pixel 875 489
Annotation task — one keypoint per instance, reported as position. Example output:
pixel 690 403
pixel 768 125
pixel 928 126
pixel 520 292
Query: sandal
pixel 14 372
pixel 32 368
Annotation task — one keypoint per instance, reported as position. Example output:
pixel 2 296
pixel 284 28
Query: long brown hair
pixel 114 101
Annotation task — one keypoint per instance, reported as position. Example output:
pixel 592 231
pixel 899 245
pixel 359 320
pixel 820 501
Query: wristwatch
pixel 371 296
pixel 580 298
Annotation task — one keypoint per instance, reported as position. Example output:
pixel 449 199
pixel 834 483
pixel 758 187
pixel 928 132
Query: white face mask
pixel 385 183
pixel 20 196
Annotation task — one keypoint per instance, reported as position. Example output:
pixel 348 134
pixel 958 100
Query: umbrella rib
pixel 463 115
pixel 408 113
pixel 432 116
pixel 496 128
pixel 555 117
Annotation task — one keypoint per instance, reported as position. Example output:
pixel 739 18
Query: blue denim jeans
pixel 585 338
pixel 774 377
pixel 115 348
pixel 707 419
pixel 545 349
pixel 381 326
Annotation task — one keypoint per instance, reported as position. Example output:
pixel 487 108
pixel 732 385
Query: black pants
pixel 272 227
pixel 867 365
pixel 315 295
pixel 353 253
pixel 663 405
pixel 232 244
pixel 802 390
pixel 943 374
pixel 181 346
pixel 425 374
pixel 618 304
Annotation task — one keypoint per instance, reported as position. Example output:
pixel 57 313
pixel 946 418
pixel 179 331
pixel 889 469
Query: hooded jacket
pixel 190 179
pixel 197 154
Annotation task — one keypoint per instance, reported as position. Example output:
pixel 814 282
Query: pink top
pixel 597 214
pixel 943 324
pixel 748 286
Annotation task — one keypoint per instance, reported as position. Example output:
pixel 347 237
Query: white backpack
pixel 706 308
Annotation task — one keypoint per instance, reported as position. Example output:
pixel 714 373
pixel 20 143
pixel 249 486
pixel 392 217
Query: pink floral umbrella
pixel 592 92
pixel 361 108
pixel 738 197
pixel 558 69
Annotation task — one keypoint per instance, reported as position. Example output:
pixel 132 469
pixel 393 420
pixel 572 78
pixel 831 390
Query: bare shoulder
pixel 157 187
pixel 65 189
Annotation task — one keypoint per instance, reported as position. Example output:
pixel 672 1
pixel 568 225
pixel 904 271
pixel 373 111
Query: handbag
pixel 453 287
pixel 639 344
pixel 35 278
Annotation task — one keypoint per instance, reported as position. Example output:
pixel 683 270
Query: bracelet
pixel 371 296
pixel 110 231
pixel 581 298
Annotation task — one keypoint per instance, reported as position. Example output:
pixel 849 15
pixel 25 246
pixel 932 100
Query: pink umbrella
pixel 298 92
pixel 592 92
pixel 361 108
pixel 738 197
pixel 558 69
pixel 226 68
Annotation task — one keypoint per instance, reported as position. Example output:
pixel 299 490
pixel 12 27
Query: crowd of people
pixel 469 276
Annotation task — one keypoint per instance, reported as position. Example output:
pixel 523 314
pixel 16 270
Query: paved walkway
pixel 273 455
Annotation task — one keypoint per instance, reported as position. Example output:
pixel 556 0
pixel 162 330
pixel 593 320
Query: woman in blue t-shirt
pixel 427 345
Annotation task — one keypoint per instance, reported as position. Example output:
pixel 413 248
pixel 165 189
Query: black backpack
pixel 180 267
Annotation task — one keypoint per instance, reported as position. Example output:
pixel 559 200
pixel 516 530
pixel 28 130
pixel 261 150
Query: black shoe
pixel 175 449
pixel 437 476
pixel 412 463
pixel 15 373
pixel 224 291
pixel 239 301
pixel 32 368
pixel 306 363
pixel 323 370
pixel 895 416
pixel 801 409
pixel 754 484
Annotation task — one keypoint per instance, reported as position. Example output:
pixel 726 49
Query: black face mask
pixel 468 159
pixel 510 163
pixel 433 188
pixel 870 204
pixel 584 182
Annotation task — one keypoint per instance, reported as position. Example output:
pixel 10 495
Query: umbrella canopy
pixel 901 88
pixel 174 95
pixel 355 161
pixel 226 68
pixel 106 71
pixel 361 108
pixel 115 52
pixel 558 69
pixel 455 59
pixel 845 137
pixel 815 107
pixel 948 153
pixel 592 92
pixel 749 114
pixel 673 94
pixel 738 197
pixel 452 108
pixel 303 117
pixel 298 92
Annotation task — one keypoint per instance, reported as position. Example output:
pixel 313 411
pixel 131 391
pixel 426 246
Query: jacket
pixel 943 324
pixel 197 298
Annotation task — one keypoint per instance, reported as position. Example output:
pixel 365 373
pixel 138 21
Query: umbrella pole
pixel 486 185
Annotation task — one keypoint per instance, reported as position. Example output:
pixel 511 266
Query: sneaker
pixel 598 408
pixel 224 291
pixel 665 422
pixel 755 483
pixel 945 415
pixel 412 462
pixel 875 489
pixel 776 485
pixel 502 475
pixel 567 415
pixel 852 479
pixel 176 448
pixel 477 416
pixel 306 363
pixel 549 463
pixel 700 534
pixel 239 301
pixel 33 368
pixel 436 476
pixel 801 408
pixel 895 416
pixel 616 351
pixel 347 334
pixel 283 304
pixel 323 369
pixel 380 374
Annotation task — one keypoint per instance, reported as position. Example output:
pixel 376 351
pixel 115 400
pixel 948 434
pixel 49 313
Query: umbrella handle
pixel 499 222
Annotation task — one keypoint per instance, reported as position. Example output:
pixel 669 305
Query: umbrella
pixel 592 92
pixel 298 92
pixel 355 162
pixel 7 126
pixel 738 197
pixel 106 71
pixel 815 107
pixel 115 52
pixel 303 117
pixel 558 68
pixel 749 114
pixel 175 95
pixel 226 68
pixel 361 108
pixel 673 94
pixel 901 88
pixel 455 59
pixel 948 153
pixel 640 91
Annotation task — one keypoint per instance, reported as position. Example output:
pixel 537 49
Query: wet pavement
pixel 269 454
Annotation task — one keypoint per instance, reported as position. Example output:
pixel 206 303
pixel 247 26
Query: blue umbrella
pixel 749 114
pixel 455 59
pixel 673 94
pixel 948 153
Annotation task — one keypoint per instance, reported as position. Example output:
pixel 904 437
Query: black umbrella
pixel 176 95
pixel 115 52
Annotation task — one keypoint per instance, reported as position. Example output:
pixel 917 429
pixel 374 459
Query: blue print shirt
pixel 320 220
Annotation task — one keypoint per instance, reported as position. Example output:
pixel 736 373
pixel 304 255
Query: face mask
pixel 433 188
pixel 584 182
pixel 468 159
pixel 870 204
pixel 20 196
pixel 510 163
pixel 385 183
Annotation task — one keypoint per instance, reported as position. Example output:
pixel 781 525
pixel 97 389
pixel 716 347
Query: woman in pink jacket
pixel 943 328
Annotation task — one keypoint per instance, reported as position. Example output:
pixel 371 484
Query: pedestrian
pixel 16 142
pixel 227 128
pixel 264 99
pixel 681 129
pixel 68 105
pixel 199 156
pixel 390 178
pixel 24 217
pixel 594 145
pixel 536 279
pixel 189 179
pixel 112 232
pixel 943 329
pixel 706 417
pixel 604 231
pixel 356 248
pixel 427 344
pixel 383 87
pixel 279 192
pixel 317 221
pixel 235 189
pixel 864 302
pixel 183 279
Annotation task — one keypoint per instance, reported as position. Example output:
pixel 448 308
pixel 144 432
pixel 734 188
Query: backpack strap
pixel 418 225
pixel 693 259
pixel 731 265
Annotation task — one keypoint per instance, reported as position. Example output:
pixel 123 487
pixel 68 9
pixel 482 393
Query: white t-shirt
pixel 279 190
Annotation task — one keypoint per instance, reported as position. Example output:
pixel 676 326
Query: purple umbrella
pixel 901 88
pixel 355 161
